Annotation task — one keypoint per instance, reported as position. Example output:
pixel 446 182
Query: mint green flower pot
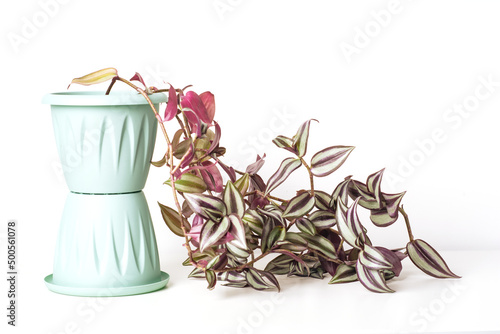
pixel 105 142
pixel 106 244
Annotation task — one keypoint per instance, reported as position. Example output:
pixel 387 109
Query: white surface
pixel 272 65
pixel 421 304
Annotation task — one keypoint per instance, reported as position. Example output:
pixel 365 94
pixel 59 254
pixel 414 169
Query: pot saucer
pixel 107 291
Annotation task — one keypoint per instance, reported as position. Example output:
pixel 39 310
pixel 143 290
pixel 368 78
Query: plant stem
pixel 407 221
pixel 183 127
pixel 111 85
pixel 277 198
pixel 325 257
pixel 171 160
pixel 143 93
pixel 172 172
pixel 267 196
pixel 311 176
pixel 179 209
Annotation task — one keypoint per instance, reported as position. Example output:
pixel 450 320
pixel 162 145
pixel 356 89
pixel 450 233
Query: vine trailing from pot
pixel 229 227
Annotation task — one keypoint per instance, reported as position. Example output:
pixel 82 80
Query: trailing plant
pixel 230 226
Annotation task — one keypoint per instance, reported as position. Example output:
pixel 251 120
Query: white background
pixel 384 76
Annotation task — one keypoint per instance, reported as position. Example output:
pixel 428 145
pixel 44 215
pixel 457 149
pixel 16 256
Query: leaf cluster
pixel 232 222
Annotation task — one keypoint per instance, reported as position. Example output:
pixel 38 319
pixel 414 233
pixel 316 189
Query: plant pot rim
pixel 98 98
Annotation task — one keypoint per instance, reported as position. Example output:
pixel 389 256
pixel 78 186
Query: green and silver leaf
pixel 254 221
pixel 189 183
pixel 299 206
pixel 428 259
pixel 261 280
pixel 287 167
pixel 208 207
pixel 323 219
pixel 212 232
pixel 371 279
pixel 211 277
pixel 277 234
pixel 299 141
pixel 242 184
pixel 233 200
pixel 283 142
pixel 371 258
pixel 329 160
pixel 344 274
pixel 321 244
pixel 305 225
pixel 237 230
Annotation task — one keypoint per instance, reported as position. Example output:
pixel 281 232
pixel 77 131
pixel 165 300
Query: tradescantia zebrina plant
pixel 230 226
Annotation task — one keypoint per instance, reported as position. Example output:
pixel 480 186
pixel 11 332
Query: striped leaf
pixel 355 224
pixel 301 137
pixel 428 259
pixel 321 244
pixel 273 212
pixel 389 213
pixel 296 238
pixel 323 219
pixel 328 265
pixel 243 183
pixel 349 225
pixel 189 183
pixel 261 280
pixel 394 257
pixel 211 264
pixel 344 274
pixel 299 206
pixel 233 277
pixel 233 200
pixel 172 219
pixel 208 207
pixel 254 221
pixel 238 252
pixel 197 273
pixel 289 255
pixel 287 167
pixel 280 265
pixel 372 258
pixel 371 279
pixel 329 160
pixel 211 277
pixel 278 233
pixel 96 77
pixel 341 193
pixel 322 200
pixel 213 232
pixel 237 230
pixel 367 200
pixel 373 184
pixel 305 225
pixel 284 142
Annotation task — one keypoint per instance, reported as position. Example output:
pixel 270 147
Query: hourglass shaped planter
pixel 106 244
